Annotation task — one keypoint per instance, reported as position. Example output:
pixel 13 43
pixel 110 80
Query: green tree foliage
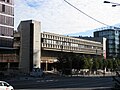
pixel 118 62
pixel 115 64
pixel 105 63
pixel 64 64
pixel 76 62
pixel 95 64
pixel 90 62
pixel 110 64
pixel 85 63
pixel 100 64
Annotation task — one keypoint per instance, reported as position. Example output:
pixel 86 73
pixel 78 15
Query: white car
pixel 5 86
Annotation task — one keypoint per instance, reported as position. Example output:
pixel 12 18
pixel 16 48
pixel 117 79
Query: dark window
pixel 3 8
pixel 5 84
pixel 0 83
pixel 7 1
pixel 2 0
pixel 6 31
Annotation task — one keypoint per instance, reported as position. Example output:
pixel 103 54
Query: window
pixel 8 1
pixel 3 8
pixel 5 84
pixel 3 0
pixel 0 84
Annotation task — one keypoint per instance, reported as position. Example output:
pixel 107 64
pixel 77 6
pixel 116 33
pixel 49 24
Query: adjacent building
pixel 8 57
pixel 6 23
pixel 113 40
pixel 103 40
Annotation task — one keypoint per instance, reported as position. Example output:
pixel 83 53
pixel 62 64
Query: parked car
pixel 5 86
pixel 36 72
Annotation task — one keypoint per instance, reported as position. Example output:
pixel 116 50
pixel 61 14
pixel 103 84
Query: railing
pixel 69 48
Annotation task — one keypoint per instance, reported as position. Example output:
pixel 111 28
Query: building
pixel 6 23
pixel 55 44
pixel 8 57
pixel 46 47
pixel 30 45
pixel 113 40
pixel 103 40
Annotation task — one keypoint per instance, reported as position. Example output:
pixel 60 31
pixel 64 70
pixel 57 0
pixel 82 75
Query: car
pixel 5 86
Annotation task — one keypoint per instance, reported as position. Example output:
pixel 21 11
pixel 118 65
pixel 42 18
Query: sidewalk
pixel 53 76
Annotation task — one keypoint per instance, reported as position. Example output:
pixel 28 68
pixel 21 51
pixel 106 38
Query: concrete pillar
pixel 46 65
pixel 30 47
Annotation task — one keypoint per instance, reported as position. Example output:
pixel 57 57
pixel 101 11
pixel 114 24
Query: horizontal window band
pixel 7 26
pixel 7 15
pixel 7 4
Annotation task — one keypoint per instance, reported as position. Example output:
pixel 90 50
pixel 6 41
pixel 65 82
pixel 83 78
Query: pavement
pixel 51 75
pixel 64 83
pixel 54 78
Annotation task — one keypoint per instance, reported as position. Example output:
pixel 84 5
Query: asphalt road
pixel 64 82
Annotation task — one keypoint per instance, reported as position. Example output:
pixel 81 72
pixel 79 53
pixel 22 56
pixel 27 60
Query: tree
pixel 110 64
pixel 90 62
pixel 95 64
pixel 118 62
pixel 100 61
pixel 105 63
pixel 85 63
pixel 64 64
pixel 76 62
pixel 115 64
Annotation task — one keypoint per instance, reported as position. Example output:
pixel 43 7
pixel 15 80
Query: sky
pixel 57 16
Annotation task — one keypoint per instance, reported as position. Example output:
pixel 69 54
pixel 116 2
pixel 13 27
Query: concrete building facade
pixel 6 23
pixel 30 45
pixel 8 56
pixel 103 40
pixel 53 45
pixel 46 47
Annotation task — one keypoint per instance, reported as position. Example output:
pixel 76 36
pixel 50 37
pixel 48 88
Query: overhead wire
pixel 88 15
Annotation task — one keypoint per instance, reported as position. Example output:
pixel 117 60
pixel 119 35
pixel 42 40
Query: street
pixel 64 82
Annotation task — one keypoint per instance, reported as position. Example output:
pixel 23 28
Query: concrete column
pixel 46 65
pixel 8 66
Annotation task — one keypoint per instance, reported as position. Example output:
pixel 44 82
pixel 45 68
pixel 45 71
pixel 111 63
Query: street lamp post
pixel 106 2
pixel 61 57
pixel 113 4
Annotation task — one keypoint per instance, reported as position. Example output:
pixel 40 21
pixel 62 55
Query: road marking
pixel 51 80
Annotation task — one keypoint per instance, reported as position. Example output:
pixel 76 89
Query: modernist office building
pixel 113 40
pixel 7 53
pixel 43 48
pixel 103 40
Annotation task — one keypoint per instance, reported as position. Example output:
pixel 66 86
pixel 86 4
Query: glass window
pixel 0 84
pixel 6 84
pixel 3 8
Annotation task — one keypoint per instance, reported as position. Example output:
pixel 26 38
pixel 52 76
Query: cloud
pixel 58 17
pixel 34 3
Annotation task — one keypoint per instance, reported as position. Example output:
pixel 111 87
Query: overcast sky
pixel 57 16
